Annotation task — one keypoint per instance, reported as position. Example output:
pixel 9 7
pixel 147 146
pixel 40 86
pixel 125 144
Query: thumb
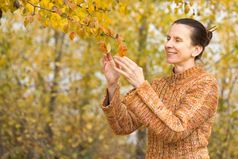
pixel 111 60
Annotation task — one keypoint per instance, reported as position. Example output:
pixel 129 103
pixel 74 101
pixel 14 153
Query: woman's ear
pixel 197 50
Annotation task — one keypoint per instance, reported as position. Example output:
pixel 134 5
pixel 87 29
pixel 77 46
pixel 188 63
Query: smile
pixel 171 53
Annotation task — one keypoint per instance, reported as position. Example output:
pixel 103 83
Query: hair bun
pixel 209 34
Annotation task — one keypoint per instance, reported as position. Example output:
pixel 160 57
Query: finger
pixel 105 61
pixel 109 56
pixel 117 65
pixel 130 61
pixel 110 59
pixel 105 57
pixel 114 62
pixel 121 72
pixel 127 63
pixel 123 66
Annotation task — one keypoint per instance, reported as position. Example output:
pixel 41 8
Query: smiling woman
pixel 177 109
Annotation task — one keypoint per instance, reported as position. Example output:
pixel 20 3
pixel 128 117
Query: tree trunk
pixel 59 42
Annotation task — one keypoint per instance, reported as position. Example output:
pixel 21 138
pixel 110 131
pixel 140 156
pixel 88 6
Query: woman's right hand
pixel 110 73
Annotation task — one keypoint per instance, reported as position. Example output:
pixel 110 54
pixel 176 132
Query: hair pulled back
pixel 200 35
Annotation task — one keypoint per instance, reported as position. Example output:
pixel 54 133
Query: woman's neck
pixel 179 68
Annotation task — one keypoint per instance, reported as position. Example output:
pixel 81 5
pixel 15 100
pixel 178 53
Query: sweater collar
pixel 193 71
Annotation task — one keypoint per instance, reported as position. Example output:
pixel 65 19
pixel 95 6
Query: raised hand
pixel 129 69
pixel 109 71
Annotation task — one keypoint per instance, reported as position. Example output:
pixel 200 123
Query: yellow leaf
pixel 29 8
pixel 108 48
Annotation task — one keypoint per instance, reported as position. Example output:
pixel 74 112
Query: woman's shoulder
pixel 207 76
pixel 206 80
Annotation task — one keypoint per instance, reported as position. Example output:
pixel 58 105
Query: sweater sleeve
pixel 122 120
pixel 197 106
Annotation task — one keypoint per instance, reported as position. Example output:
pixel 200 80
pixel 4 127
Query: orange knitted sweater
pixel 178 111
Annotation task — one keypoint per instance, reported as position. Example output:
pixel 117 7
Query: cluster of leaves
pixel 84 18
pixel 106 48
pixel 74 128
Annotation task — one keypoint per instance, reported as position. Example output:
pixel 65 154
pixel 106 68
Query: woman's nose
pixel 169 44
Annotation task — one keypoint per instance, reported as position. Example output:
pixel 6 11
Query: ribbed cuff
pixel 107 106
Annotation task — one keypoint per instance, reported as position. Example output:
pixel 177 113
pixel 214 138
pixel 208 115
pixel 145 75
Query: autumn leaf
pixel 102 46
pixel 122 50
pixel 66 28
pixel 105 48
pixel 186 8
pixel 72 35
pixel 108 48
pixel 28 19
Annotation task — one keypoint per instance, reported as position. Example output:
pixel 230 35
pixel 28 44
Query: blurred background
pixel 52 85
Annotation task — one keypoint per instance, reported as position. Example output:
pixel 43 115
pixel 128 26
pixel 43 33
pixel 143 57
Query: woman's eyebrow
pixel 177 37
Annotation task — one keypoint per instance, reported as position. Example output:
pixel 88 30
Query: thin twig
pixel 35 6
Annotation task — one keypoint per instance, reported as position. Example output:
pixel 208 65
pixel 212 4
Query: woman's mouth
pixel 171 53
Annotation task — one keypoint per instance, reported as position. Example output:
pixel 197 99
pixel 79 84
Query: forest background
pixel 51 80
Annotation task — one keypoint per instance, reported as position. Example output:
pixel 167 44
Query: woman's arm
pixel 120 118
pixel 196 107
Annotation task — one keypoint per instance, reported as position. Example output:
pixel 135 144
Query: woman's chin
pixel 171 61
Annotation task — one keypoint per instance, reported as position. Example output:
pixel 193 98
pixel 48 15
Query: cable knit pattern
pixel 178 111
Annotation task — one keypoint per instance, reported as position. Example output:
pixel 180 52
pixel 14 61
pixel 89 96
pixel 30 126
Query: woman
pixel 178 109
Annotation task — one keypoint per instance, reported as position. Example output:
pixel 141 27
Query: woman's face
pixel 179 48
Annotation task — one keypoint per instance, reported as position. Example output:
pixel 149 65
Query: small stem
pixel 35 6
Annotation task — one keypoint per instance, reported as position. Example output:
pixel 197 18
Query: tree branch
pixel 35 6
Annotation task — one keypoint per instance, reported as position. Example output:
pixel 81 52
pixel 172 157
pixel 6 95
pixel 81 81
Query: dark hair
pixel 200 35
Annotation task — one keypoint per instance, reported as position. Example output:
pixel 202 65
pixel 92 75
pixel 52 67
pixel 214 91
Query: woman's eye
pixel 168 38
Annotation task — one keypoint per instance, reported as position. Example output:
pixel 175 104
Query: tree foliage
pixel 51 82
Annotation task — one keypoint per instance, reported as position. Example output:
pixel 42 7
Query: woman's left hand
pixel 128 68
